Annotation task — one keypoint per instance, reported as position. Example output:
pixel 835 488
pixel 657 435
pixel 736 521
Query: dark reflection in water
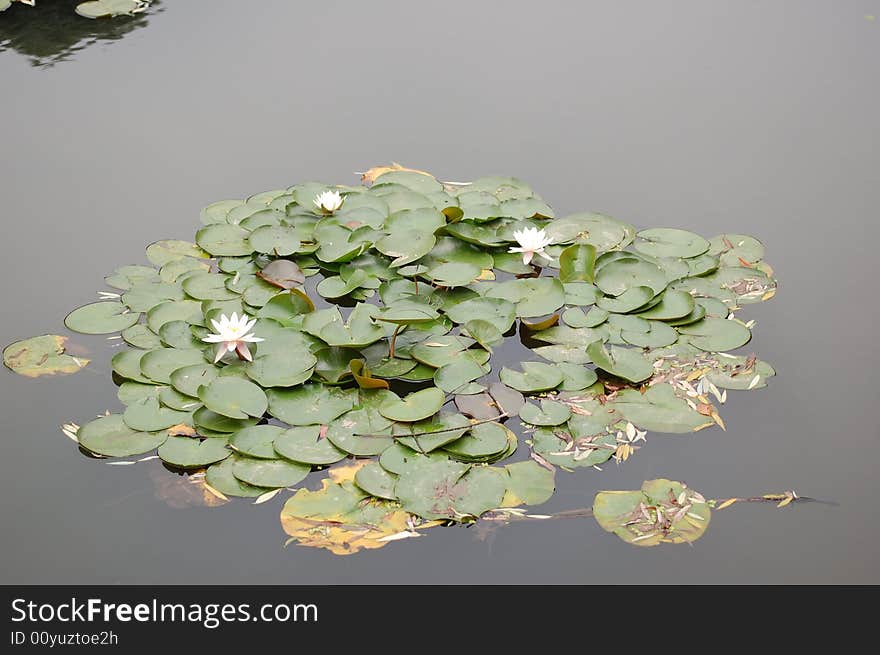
pixel 51 31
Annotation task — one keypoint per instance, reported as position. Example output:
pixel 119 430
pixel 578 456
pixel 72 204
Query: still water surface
pixel 751 117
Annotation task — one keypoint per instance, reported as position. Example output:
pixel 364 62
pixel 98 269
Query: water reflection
pixel 51 31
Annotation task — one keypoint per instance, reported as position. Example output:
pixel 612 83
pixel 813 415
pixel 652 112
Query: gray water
pixel 752 117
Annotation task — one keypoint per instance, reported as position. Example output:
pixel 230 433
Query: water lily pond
pixel 507 369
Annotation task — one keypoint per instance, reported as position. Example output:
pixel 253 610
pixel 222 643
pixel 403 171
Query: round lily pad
pixel 499 312
pixel 484 441
pixel 623 274
pixel 535 376
pixel 414 407
pixel 110 436
pixel 101 318
pixel 190 453
pixel 549 413
pixel 159 364
pixel 670 242
pixel 432 433
pixel 663 511
pixel 673 305
pixel 309 404
pixel 305 445
pixel 376 481
pixel 275 239
pixel 623 362
pixel 188 379
pixel 234 397
pixel 272 473
pixel 716 334
pixel 219 476
pixel 224 240
pixel 528 483
pixel 256 441
pixel 147 415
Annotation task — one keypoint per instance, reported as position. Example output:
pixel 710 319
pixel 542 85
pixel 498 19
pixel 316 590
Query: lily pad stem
pixel 394 340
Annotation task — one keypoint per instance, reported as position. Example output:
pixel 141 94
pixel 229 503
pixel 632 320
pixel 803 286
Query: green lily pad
pixel 457 373
pixel 275 240
pixel 534 377
pixel 220 477
pixel 256 441
pixel 673 305
pixel 270 473
pixel 528 483
pixel 577 262
pixel 737 374
pixel 224 240
pixel 234 397
pixel 376 481
pixel 663 511
pixel 485 442
pixel 659 410
pixel 622 274
pixel 497 311
pixel 309 404
pixel 538 296
pixel 284 369
pixel 190 453
pixel 550 413
pixel 414 407
pixel 148 416
pixel 125 277
pixel 208 421
pixel 101 318
pixel 166 251
pixel 439 350
pixel 406 246
pixel 630 300
pixel 282 273
pixel 357 332
pixel 188 379
pixel 159 364
pixel 716 334
pixel 623 362
pixel 432 433
pixel 670 242
pixel 658 335
pixel 140 336
pixel 580 293
pixel 286 307
pixel 449 490
pixel 110 436
pixel 108 8
pixel 305 445
pixel 407 312
pixel 603 232
pixel 736 249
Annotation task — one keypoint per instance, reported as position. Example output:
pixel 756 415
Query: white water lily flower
pixel 329 201
pixel 532 241
pixel 233 335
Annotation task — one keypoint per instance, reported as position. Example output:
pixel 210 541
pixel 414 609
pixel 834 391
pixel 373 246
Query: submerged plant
pixel 379 311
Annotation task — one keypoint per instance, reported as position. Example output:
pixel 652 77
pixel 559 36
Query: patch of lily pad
pixel 379 324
